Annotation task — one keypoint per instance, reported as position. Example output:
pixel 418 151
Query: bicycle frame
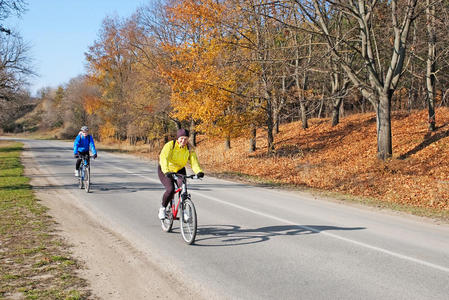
pixel 84 164
pixel 181 192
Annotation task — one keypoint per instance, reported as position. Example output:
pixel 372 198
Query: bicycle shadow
pixel 233 235
pixel 99 188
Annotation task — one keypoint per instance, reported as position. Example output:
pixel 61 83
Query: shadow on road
pixel 127 187
pixel 232 235
pixel 46 149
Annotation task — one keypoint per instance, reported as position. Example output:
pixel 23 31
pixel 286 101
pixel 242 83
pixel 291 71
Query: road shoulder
pixel 114 268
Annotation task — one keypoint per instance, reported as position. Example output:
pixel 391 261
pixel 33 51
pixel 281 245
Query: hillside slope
pixel 343 159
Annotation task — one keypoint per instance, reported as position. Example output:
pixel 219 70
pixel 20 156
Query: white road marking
pixel 361 244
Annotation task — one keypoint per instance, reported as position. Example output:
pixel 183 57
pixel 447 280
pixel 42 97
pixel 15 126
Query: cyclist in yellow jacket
pixel 173 159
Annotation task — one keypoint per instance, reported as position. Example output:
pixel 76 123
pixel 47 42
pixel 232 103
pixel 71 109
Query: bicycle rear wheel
pixel 167 223
pixel 188 221
pixel 87 179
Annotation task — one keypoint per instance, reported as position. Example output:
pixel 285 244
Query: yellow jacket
pixel 173 159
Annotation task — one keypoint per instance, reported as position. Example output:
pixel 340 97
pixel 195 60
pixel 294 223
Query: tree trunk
pixel 276 124
pixel 192 133
pixel 269 121
pixel 301 87
pixel 304 121
pixel 252 141
pixel 178 124
pixel 270 138
pixel 321 106
pixel 336 111
pixel 193 138
pixel 228 143
pixel 431 63
pixel 383 120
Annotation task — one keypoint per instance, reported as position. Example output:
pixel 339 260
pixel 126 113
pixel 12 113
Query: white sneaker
pixel 161 213
pixel 77 173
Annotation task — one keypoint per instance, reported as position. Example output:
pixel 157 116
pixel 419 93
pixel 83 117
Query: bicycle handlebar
pixel 85 155
pixel 193 176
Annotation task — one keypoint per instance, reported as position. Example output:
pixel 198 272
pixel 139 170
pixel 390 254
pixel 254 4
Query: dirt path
pixel 114 268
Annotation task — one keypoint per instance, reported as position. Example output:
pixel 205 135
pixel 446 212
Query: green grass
pixel 35 263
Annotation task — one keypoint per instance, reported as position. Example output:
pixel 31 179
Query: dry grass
pixel 35 263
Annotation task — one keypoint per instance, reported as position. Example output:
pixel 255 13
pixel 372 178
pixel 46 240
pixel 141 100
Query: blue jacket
pixel 82 144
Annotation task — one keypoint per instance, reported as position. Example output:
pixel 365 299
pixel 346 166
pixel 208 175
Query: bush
pixel 68 132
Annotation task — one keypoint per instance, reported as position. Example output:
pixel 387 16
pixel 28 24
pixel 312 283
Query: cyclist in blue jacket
pixel 83 142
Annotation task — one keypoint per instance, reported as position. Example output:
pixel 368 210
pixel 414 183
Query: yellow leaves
pixel 202 88
pixel 106 131
pixel 203 14
pixel 91 104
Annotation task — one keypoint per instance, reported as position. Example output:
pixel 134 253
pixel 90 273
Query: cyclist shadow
pixel 232 235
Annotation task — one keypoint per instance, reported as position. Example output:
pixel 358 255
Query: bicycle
pixel 84 173
pixel 184 205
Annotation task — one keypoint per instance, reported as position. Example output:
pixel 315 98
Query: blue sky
pixel 59 32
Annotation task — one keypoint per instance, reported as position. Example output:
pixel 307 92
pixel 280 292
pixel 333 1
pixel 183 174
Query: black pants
pixel 78 161
pixel 169 184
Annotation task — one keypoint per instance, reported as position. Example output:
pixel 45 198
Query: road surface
pixel 253 242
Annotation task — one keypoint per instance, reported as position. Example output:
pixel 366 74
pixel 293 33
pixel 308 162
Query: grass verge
pixel 35 263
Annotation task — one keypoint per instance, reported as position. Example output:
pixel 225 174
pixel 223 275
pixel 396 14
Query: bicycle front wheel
pixel 87 179
pixel 188 221
pixel 167 223
pixel 80 177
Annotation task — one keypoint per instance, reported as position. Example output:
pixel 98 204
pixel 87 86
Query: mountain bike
pixel 183 204
pixel 84 173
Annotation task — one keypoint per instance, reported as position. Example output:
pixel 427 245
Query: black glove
pixel 95 156
pixel 200 175
pixel 169 174
pixel 76 156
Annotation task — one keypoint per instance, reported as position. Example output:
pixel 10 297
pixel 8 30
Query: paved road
pixel 260 243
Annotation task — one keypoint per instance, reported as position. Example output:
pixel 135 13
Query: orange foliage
pixel 91 104
pixel 204 86
pixel 343 158
pixel 197 14
pixel 106 131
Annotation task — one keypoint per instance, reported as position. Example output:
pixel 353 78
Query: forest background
pixel 339 96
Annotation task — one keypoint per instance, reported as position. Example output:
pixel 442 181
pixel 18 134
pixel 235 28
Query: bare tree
pixel 11 111
pixel 382 80
pixel 15 65
pixel 72 103
pixel 8 8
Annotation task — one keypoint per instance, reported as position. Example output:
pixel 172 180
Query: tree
pixel 207 90
pixel 110 67
pixel 15 65
pixel 7 8
pixel 382 75
pixel 78 110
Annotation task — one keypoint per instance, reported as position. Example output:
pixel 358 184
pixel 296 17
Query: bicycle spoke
pixel 188 221
pixel 87 179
